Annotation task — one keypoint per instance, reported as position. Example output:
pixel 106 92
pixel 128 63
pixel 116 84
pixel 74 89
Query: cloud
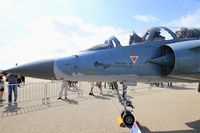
pixel 146 18
pixel 67 32
pixel 9 11
pixel 56 36
pixel 41 35
pixel 6 4
pixel 191 19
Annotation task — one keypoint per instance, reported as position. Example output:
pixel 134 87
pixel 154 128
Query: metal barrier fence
pixel 38 91
pixel 46 91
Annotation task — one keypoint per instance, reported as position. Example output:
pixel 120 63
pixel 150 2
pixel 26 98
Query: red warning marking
pixel 134 58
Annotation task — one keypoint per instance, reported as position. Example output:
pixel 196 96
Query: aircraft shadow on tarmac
pixel 181 88
pixel 14 109
pixel 109 95
pixel 103 97
pixel 195 125
pixel 70 101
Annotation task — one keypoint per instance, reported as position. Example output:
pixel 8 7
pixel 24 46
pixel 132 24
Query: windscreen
pixel 101 46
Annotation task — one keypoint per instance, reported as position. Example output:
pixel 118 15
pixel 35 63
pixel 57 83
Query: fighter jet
pixel 159 56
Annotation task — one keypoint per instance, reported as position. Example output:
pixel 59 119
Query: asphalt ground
pixel 158 110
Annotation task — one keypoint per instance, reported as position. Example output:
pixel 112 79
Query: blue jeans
pixel 10 89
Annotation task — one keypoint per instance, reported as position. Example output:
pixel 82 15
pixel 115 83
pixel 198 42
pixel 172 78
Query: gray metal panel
pixel 187 61
pixel 40 69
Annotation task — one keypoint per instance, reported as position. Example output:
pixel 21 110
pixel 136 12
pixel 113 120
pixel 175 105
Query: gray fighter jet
pixel 159 56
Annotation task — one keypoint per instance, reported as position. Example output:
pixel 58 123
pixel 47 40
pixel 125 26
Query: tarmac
pixel 158 110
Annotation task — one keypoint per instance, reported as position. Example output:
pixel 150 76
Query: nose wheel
pixel 126 120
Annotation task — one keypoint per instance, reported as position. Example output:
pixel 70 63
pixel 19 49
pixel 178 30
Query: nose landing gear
pixel 126 119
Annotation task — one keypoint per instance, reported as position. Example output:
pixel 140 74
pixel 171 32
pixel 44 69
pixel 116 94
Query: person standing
pixel 99 85
pixel 23 79
pixel 64 86
pixel 12 86
pixel 19 80
pixel 1 88
pixel 169 84
pixel 91 90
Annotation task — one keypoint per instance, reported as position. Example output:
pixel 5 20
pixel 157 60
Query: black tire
pixel 128 119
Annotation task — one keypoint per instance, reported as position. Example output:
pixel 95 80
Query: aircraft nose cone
pixel 42 70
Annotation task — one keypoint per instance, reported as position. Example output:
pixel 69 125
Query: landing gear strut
pixel 127 118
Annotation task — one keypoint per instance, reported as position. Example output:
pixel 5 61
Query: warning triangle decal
pixel 134 59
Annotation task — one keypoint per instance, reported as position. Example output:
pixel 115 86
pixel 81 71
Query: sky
pixel 41 29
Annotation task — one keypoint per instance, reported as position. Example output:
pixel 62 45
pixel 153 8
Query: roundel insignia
pixel 134 59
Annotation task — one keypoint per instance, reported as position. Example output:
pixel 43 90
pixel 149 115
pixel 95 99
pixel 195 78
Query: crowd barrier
pixel 48 90
pixel 39 91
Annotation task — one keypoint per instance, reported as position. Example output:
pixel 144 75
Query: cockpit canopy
pixel 159 33
pixel 112 42
pixel 163 33
pixel 153 34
